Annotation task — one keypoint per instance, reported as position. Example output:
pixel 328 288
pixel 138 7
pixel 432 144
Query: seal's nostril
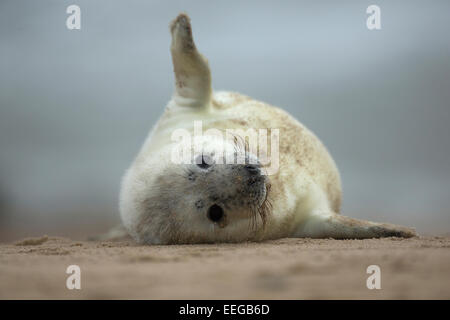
pixel 252 169
pixel 215 213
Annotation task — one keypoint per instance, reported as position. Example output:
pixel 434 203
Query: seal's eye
pixel 204 161
pixel 215 213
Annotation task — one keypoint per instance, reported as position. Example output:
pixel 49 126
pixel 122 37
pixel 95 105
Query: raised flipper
pixel 340 227
pixel 192 74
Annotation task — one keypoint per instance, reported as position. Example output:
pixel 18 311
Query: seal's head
pixel 220 195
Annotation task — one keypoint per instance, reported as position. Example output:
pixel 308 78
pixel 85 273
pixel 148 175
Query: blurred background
pixel 76 105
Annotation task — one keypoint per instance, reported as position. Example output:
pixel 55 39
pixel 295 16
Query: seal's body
pixel 163 201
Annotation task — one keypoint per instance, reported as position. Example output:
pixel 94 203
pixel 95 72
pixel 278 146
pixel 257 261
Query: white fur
pixel 305 193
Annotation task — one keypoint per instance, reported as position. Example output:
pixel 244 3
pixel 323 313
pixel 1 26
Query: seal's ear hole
pixel 215 213
pixel 204 161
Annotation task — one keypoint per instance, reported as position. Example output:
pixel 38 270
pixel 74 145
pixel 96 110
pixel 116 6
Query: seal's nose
pixel 253 169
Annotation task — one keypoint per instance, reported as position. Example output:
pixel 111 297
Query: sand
pixel 417 268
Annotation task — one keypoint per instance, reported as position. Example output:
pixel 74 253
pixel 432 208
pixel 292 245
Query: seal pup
pixel 205 200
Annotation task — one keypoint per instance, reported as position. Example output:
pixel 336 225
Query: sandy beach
pixel 416 268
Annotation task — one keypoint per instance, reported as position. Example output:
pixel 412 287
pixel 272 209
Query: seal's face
pixel 227 191
pixel 207 200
